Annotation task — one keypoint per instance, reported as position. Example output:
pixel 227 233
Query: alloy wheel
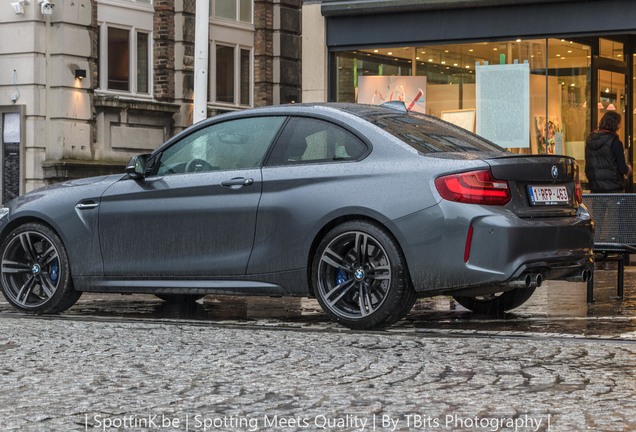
pixel 30 269
pixel 354 275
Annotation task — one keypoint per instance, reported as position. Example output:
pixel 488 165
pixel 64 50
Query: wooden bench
pixel 615 233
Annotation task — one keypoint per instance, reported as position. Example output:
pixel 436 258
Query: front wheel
pixel 35 272
pixel 360 276
pixel 498 303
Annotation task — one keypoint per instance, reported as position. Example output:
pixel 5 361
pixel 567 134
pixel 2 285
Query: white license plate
pixel 548 195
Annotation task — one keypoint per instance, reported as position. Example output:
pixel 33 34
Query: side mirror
pixel 136 167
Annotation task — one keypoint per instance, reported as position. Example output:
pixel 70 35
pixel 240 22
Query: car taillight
pixel 469 241
pixel 578 191
pixel 473 187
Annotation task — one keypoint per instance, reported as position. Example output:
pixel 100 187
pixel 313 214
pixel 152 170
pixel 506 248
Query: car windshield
pixel 428 134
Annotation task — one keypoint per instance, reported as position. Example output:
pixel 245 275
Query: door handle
pixel 237 182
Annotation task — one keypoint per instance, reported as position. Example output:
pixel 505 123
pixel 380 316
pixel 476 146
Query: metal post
pixel 590 287
pixel 621 280
pixel 201 60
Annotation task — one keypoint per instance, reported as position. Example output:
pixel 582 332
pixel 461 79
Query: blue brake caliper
pixel 341 277
pixel 55 269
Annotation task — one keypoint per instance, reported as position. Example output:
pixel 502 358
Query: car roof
pixel 333 108
pixel 386 115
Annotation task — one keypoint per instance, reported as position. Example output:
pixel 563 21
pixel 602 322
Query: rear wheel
pixel 35 272
pixel 497 303
pixel 180 298
pixel 360 277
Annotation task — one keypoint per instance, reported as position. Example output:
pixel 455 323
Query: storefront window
pixel 629 145
pixel 569 96
pixel 558 96
pixel 611 49
pixel 352 65
pixel 611 95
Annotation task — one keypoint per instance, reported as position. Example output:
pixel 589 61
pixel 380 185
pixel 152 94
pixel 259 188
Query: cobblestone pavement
pixel 61 374
pixel 135 364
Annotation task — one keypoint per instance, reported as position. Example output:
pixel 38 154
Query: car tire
pixel 496 304
pixel 180 298
pixel 35 273
pixel 360 278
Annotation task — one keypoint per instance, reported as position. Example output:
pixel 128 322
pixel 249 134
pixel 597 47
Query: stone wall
pixel 287 51
pixel 164 50
pixel 277 52
pixel 263 52
pixel 74 129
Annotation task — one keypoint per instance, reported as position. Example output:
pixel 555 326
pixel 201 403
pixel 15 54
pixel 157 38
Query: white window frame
pixel 250 79
pixel 129 4
pixel 237 21
pixel 237 75
pixel 135 17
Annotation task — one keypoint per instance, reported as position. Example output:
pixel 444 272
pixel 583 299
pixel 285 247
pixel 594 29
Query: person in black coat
pixel 605 165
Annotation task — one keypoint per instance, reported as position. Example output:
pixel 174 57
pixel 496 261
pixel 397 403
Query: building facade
pixel 86 84
pixel 533 75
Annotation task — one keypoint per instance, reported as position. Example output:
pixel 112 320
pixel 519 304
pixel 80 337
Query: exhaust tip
pixel 528 280
pixel 583 276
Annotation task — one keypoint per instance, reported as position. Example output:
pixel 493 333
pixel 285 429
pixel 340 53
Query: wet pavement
pixel 555 308
pixel 135 363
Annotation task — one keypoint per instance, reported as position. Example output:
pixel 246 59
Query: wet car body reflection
pixel 558 310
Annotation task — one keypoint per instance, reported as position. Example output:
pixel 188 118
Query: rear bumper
pixel 503 246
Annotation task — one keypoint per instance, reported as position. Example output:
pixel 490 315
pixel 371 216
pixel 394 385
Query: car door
pixel 195 215
pixel 310 173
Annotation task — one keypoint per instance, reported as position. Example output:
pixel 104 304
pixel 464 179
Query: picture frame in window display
pixel 552 143
pixel 377 90
pixel 504 89
pixel 464 118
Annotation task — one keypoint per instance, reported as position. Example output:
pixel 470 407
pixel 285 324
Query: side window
pixel 306 140
pixel 231 145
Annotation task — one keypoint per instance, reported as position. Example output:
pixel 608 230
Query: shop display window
pixel 611 49
pixel 558 97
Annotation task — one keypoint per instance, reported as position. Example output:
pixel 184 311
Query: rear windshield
pixel 428 134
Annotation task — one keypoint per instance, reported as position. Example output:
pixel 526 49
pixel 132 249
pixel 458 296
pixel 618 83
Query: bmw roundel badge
pixel 555 171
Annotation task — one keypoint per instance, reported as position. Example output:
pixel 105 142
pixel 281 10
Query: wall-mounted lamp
pixel 18 7
pixel 46 7
pixel 80 74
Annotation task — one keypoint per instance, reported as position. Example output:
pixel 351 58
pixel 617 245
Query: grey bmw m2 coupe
pixel 364 207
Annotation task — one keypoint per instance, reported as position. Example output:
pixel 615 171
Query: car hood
pixel 91 187
pixel 105 180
